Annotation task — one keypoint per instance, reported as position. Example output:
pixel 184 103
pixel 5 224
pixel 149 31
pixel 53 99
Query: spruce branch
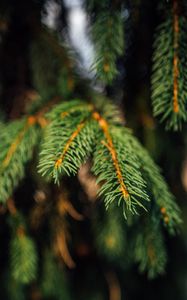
pixel 23 254
pixel 71 138
pixel 53 281
pixel 169 70
pixel 49 56
pixel 110 234
pixel 117 169
pixel 66 133
pixel 15 290
pixel 108 36
pixel 68 140
pixel 156 185
pixel 124 169
pixel 149 249
pixel 18 139
pixel 23 258
pixel 108 143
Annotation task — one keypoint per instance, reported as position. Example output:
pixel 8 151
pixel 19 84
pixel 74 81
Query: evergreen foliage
pixel 110 235
pixel 23 254
pixel 169 77
pixel 47 61
pixel 149 249
pixel 116 167
pixel 53 283
pixel 23 259
pixel 15 290
pixel 157 187
pixel 18 139
pixel 126 174
pixel 76 131
pixel 70 123
pixel 108 36
pixel 146 248
pixel 116 158
pixel 68 140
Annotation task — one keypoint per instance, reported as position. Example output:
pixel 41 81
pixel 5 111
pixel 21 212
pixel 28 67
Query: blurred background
pixel 28 71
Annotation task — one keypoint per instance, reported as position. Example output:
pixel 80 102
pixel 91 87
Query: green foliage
pixel 115 242
pixel 74 131
pixel 53 282
pixel 49 57
pixel 114 163
pixel 44 65
pixel 127 188
pixel 108 36
pixel 18 139
pixel 156 185
pixel 68 140
pixel 15 290
pixel 23 253
pixel 125 172
pixel 110 112
pixel 149 249
pixel 110 235
pixel 169 75
pixel 23 259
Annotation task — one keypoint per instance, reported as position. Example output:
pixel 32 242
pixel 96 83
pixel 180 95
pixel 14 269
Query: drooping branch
pixel 110 146
pixel 175 57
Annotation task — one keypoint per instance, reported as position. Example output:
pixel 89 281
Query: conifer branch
pixel 169 69
pixel 68 140
pixel 48 53
pixel 76 122
pixel 53 281
pixel 110 146
pixel 17 142
pixel 149 249
pixel 123 167
pixel 59 161
pixel 157 187
pixel 18 139
pixel 175 57
pixel 108 38
pixel 110 234
pixel 117 170
pixel 23 258
pixel 23 254
pixel 65 133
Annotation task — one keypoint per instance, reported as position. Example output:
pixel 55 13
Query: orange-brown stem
pixel 61 247
pixel 164 215
pixel 64 207
pixel 64 114
pixel 151 253
pixel 110 146
pixel 11 207
pixel 113 286
pixel 21 231
pixel 175 57
pixel 68 144
pixel 30 121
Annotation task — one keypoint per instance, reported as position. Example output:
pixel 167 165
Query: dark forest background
pixel 20 22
